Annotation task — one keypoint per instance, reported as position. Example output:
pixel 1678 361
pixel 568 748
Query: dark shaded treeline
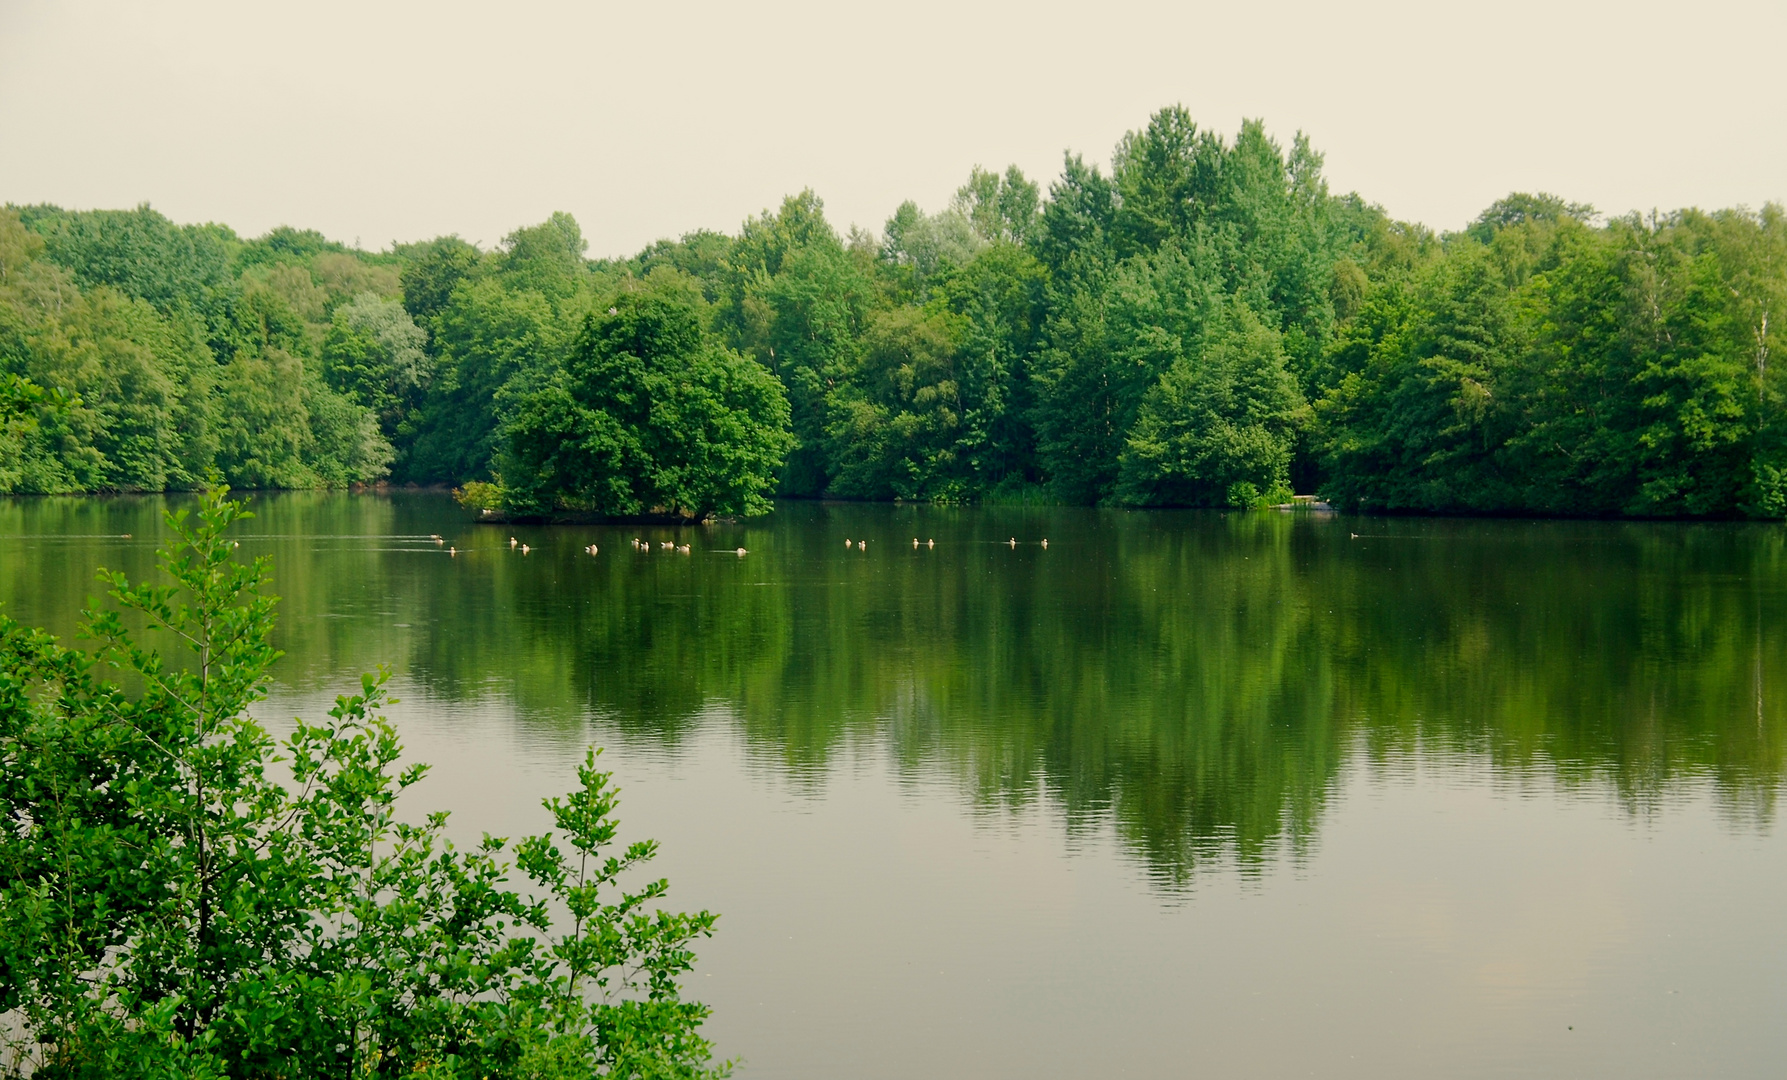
pixel 1204 324
pixel 1202 682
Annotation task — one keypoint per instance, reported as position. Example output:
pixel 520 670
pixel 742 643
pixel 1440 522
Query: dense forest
pixel 1204 324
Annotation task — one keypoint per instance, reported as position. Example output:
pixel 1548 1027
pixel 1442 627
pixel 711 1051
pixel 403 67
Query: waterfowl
pixel 453 551
pixel 742 553
pixel 436 538
pixel 1013 541
pixel 525 549
pixel 682 549
pixel 930 543
pixel 862 545
pixel 513 542
pixel 1045 541
pixel 846 541
pixel 915 541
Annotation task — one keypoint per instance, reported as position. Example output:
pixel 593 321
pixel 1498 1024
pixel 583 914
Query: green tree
pixel 1520 208
pixel 895 432
pixel 134 384
pixel 1419 420
pixel 1000 207
pixel 141 253
pixel 431 271
pixel 505 326
pixel 1217 429
pixel 650 416
pixel 485 336
pixel 375 355
pixel 797 300
pixel 1110 337
pixel 169 909
pixel 1646 400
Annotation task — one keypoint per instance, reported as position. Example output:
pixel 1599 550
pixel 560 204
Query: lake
pixel 1181 793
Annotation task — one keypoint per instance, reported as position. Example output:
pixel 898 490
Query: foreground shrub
pixel 169 908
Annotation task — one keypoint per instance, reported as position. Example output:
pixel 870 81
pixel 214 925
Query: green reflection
pixel 1197 680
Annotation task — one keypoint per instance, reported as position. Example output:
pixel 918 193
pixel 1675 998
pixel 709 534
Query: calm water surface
pixel 1181 794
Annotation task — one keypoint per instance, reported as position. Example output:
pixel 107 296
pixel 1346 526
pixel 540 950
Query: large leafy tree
pixel 1419 420
pixel 505 323
pixel 651 415
pixel 376 355
pixel 180 348
pixel 1138 259
pixel 1217 428
pixel 797 300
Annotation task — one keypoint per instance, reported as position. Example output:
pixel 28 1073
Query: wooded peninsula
pixel 1205 324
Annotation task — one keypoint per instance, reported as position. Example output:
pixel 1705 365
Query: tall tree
pixel 650 416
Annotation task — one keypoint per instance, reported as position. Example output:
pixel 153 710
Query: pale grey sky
pixel 381 121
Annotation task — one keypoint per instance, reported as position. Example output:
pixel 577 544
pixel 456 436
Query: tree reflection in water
pixel 1198 680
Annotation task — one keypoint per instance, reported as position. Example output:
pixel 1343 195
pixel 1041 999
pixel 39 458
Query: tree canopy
pixel 1201 323
pixel 650 415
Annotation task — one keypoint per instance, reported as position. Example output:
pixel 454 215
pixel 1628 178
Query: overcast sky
pixel 386 121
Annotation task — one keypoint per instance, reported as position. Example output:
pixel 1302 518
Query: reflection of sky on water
pixel 1450 919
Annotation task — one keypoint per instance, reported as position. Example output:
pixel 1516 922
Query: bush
pixel 478 495
pixel 169 909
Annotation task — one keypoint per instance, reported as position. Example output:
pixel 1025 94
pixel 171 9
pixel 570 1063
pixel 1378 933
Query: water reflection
pixel 1195 682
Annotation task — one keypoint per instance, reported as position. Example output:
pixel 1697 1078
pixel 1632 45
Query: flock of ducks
pixel 863 545
pixel 591 549
pixel 644 546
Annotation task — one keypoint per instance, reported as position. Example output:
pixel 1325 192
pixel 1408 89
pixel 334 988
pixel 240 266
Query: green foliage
pixel 1520 208
pixel 478 495
pixel 432 270
pixel 185 349
pixel 498 326
pixel 1000 207
pixel 374 354
pixel 1140 261
pixel 1564 369
pixel 484 338
pixel 1414 425
pixel 1002 346
pixel 1216 430
pixel 896 436
pixel 702 254
pixel 926 245
pixel 796 300
pixel 170 908
pixel 650 416
pixel 140 253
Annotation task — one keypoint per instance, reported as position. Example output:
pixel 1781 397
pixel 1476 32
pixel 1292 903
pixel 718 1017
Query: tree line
pixel 1201 324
